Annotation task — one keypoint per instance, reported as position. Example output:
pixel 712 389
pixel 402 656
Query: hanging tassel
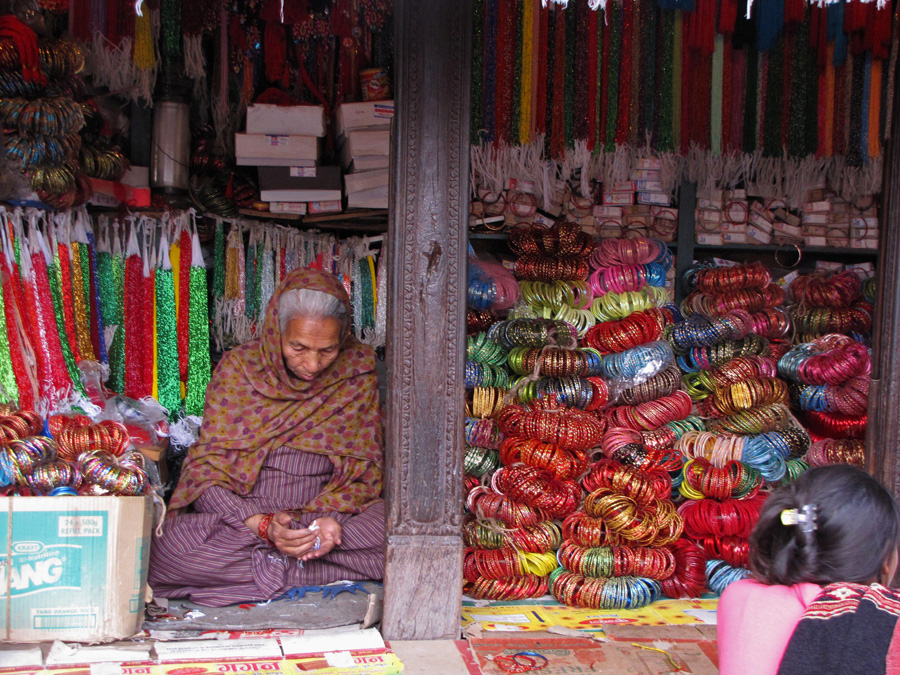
pixel 267 278
pixel 54 278
pixel 147 309
pixel 133 303
pixel 21 352
pixel 64 256
pixel 97 327
pixel 182 296
pixel 116 380
pixel 81 303
pixel 168 375
pixel 199 368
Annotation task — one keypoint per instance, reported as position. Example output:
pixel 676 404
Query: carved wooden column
pixel 883 430
pixel 426 319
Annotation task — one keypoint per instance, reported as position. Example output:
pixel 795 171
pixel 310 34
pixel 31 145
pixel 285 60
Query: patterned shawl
pixel 848 629
pixel 254 405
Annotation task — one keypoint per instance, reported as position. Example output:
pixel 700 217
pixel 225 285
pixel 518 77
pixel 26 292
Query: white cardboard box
pixel 276 150
pixel 298 208
pixel 365 180
pixel 364 114
pixel 286 120
pixel 73 568
pixel 367 143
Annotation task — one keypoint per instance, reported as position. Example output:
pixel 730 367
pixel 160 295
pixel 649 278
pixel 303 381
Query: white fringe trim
pixel 492 167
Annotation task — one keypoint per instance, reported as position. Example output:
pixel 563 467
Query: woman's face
pixel 310 344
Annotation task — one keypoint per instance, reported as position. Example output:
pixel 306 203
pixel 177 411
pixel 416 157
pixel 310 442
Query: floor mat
pixel 323 608
pixel 497 653
pixel 541 613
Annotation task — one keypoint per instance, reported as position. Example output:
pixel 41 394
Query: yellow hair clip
pixel 805 517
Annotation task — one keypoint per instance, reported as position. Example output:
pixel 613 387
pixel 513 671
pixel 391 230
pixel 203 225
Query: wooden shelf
pixel 771 248
pixel 502 236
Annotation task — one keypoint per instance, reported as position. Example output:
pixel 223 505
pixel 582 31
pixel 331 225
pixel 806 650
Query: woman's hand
pixel 300 543
pixel 329 536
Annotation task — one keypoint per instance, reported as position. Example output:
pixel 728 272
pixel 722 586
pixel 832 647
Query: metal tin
pixel 171 152
pixel 375 84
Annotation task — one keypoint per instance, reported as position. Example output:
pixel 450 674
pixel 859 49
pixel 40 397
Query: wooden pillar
pixel 426 319
pixel 883 429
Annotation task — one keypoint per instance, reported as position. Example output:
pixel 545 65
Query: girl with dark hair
pixel 820 554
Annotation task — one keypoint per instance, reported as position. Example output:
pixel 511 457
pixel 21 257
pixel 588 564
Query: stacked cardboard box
pixel 825 219
pixel 648 185
pixel 364 138
pixel 285 143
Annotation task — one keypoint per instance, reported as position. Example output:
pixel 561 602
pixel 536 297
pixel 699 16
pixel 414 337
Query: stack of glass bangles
pixel 533 333
pixel 577 590
pixel 729 518
pixel 612 306
pixel 555 362
pixel 560 463
pixel 547 421
pixel 654 524
pixel 540 538
pixel 826 361
pixel 617 561
pixel 538 489
pixel 586 393
pixel 643 486
pixel 623 334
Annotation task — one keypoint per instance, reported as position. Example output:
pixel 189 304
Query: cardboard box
pixel 373 198
pixel 790 230
pixel 327 206
pixel 618 198
pixel 298 208
pixel 649 186
pixel 521 185
pixel 709 215
pixel 607 211
pixel 817 207
pixel 649 163
pixel 708 239
pixel 711 204
pixel 735 238
pixel 366 114
pixel 786 217
pixel 109 193
pixel 276 150
pixel 367 143
pixel 658 198
pixel 646 174
pixel 365 180
pixel 760 222
pixel 867 243
pixel 758 236
pixel 287 120
pixel 277 184
pixel 77 567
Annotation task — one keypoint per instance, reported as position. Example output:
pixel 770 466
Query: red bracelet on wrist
pixel 263 528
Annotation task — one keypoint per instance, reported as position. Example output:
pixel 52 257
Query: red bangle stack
pixel 263 528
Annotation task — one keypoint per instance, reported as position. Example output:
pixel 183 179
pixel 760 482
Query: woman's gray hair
pixel 303 302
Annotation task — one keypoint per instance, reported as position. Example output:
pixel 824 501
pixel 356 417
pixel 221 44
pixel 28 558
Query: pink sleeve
pixel 755 623
pixel 892 664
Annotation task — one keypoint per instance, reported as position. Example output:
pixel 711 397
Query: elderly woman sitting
pixel 282 487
